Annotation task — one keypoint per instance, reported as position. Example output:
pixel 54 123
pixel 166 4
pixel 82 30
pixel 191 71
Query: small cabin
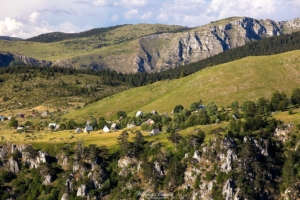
pixel 154 132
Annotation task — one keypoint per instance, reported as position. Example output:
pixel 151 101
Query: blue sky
pixel 25 19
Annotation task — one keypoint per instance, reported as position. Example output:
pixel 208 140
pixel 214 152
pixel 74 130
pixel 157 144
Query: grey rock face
pixel 34 162
pixel 65 196
pixel 197 156
pixel 69 182
pixel 7 59
pixel 127 165
pixel 3 151
pixel 158 168
pixel 76 166
pixel 227 160
pixel 13 165
pixel 48 179
pixel 228 191
pixel 82 191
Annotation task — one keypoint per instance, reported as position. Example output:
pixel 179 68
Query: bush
pixel 5 98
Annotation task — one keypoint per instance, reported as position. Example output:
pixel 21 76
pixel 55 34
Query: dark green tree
pixel 211 108
pixel 203 117
pixel 262 106
pixel 178 108
pixel 13 122
pixel 121 113
pixel 101 123
pixel 138 143
pixel 249 109
pixel 123 142
pixel 295 97
pixel 175 138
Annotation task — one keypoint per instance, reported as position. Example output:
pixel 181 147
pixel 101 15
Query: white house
pixel 154 131
pixel 20 129
pixel 78 130
pixel 88 129
pixel 105 129
pixel 138 114
pixel 113 127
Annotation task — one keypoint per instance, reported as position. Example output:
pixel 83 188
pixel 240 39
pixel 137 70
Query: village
pixel 15 122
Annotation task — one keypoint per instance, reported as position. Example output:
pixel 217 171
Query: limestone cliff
pixel 169 50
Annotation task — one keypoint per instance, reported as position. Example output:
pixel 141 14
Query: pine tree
pixel 123 142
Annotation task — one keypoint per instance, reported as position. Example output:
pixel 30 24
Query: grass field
pixel 245 79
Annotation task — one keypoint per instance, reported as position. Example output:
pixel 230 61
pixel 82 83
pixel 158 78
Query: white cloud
pixel 114 18
pixel 131 3
pixel 131 13
pixel 99 3
pixel 146 15
pixel 34 16
pixel 9 26
pixel 162 17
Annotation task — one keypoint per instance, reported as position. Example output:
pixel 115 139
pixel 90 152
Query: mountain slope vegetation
pixel 245 79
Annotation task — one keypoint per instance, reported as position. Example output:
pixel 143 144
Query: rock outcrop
pixel 227 160
pixel 13 165
pixel 229 192
pixel 3 151
pixel 34 162
pixel 82 191
pixel 48 179
pixel 128 165
pixel 8 59
pixel 65 196
pixel 69 182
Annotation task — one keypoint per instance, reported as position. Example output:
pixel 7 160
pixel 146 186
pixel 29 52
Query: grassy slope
pixel 245 79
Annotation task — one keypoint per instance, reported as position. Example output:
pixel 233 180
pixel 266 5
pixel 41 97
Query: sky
pixel 25 19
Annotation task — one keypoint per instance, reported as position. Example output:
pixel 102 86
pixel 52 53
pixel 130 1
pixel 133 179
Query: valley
pixel 152 111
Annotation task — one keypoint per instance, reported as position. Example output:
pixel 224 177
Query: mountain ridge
pixel 152 48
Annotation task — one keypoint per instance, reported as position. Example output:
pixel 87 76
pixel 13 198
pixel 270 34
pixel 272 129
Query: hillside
pixel 245 79
pixel 23 89
pixel 144 47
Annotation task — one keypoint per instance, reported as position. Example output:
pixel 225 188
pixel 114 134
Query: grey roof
pixel 88 128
